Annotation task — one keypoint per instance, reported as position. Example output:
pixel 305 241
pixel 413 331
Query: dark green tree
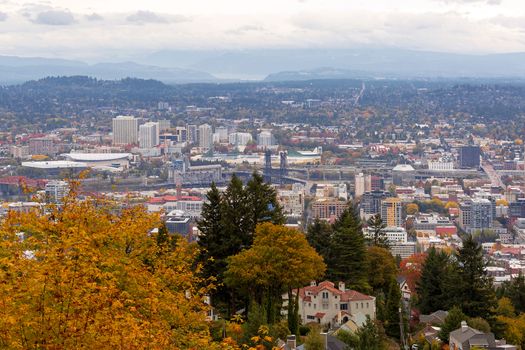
pixel 451 323
pixel 515 291
pixel 431 288
pixel 262 203
pixel 234 217
pixel 377 227
pixel 393 304
pixel 348 261
pixel 319 235
pixel 475 293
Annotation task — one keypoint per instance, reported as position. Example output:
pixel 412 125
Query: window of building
pixel 325 295
pixel 344 306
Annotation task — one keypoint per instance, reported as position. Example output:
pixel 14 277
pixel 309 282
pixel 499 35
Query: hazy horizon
pixel 118 30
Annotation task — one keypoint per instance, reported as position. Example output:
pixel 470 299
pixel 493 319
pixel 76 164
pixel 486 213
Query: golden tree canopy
pixel 412 208
pixel 280 256
pixel 93 277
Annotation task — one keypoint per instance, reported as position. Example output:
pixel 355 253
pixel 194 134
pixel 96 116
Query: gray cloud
pixel 146 17
pixel 3 16
pixel 249 28
pixel 142 17
pixel 94 17
pixel 55 18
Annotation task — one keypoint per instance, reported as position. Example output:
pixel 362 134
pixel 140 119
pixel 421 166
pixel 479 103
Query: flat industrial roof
pixel 96 157
pixel 55 164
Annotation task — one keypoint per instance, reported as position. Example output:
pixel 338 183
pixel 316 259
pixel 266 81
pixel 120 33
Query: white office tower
pixel 222 133
pixel 149 135
pixel 164 124
pixel 342 192
pixel 265 139
pixel 191 133
pixel 56 191
pixel 205 136
pixel 239 138
pixel 125 130
pixel 359 185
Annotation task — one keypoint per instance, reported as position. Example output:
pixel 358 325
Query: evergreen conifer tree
pixel 319 236
pixel 262 204
pixel 393 304
pixel 377 226
pixel 475 291
pixel 348 261
pixel 431 288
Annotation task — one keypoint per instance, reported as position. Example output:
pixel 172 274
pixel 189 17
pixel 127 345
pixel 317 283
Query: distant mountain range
pixel 14 70
pixel 371 63
pixel 184 66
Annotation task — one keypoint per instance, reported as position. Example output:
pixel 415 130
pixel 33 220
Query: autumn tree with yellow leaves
pixel 279 260
pixel 88 276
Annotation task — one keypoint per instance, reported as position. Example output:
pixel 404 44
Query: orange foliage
pixel 411 268
pixel 88 276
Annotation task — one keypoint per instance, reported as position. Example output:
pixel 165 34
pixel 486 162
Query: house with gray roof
pixel 466 338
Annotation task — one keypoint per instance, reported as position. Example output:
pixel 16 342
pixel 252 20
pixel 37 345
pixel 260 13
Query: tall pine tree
pixel 475 293
pixel 319 236
pixel 378 236
pixel 392 314
pixel 431 287
pixel 348 261
pixel 262 203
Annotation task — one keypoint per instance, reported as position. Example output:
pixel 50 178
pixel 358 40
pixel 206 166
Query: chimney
pixel 291 343
pixel 313 284
pixel 342 287
pixel 325 340
pixel 464 326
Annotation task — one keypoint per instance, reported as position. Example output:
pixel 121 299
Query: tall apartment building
pixel 56 191
pixel 125 130
pixel 469 156
pixel 149 135
pixel 476 214
pixel 42 145
pixel 205 136
pixel 222 134
pixel 265 139
pixel 239 138
pixel 359 185
pixel 182 134
pixel 164 124
pixel 328 208
pixel 192 136
pixel 371 201
pixel 292 201
pixel 392 212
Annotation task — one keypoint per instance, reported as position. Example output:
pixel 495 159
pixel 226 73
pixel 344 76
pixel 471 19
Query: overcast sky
pixel 115 29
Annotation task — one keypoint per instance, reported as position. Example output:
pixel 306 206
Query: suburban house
pixel 406 291
pixel 435 318
pixel 466 338
pixel 324 303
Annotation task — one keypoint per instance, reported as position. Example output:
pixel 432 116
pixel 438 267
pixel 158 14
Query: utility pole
pixel 404 345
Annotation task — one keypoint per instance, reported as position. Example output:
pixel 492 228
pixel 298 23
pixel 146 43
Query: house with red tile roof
pixel 325 304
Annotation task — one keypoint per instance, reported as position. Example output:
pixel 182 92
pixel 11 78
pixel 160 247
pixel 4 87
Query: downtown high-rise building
pixel 125 130
pixel 392 211
pixel 191 133
pixel 149 135
pixel 205 136
pixel 265 139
